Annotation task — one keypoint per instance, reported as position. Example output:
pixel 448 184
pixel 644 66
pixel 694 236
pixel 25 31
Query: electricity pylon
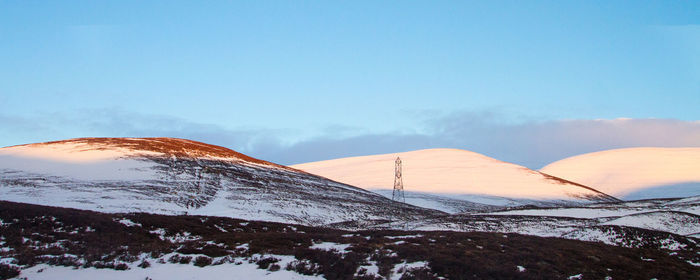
pixel 397 194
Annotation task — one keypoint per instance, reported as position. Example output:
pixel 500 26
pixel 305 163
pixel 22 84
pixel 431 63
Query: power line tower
pixel 398 195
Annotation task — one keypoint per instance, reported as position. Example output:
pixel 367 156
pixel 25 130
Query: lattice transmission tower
pixel 398 195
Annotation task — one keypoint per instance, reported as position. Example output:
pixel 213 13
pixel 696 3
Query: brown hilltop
pixel 165 145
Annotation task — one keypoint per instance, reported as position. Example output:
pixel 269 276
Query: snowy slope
pixel 175 176
pixel 454 173
pixel 453 204
pixel 636 172
pixel 690 205
pixel 677 222
pixel 679 216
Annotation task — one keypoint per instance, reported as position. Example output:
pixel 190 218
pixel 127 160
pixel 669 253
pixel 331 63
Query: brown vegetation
pixel 100 240
pixel 167 146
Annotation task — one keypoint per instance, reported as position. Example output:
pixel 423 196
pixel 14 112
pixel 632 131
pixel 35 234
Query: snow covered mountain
pixel 176 176
pixel 456 175
pixel 635 173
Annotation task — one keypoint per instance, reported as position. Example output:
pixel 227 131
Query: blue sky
pixel 294 81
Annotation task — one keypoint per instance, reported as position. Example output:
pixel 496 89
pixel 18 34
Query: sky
pixel 528 82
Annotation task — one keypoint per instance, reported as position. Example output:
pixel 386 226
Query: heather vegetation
pixel 32 235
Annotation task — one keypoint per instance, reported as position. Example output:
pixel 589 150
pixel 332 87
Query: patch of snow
pixel 160 232
pixel 672 244
pixel 404 236
pixel 220 228
pixel 417 264
pixel 520 268
pixel 183 237
pixel 595 235
pixel 157 271
pixel 215 244
pixel 404 267
pixel 330 246
pixel 128 223
pixel 244 246
pixel 370 269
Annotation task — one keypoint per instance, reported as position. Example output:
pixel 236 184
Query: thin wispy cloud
pixel 533 144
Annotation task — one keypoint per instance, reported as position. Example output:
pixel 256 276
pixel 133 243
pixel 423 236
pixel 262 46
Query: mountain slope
pixel 677 222
pixel 669 172
pixel 176 176
pixel 452 172
pixel 679 216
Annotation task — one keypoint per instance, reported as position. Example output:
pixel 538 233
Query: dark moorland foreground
pixel 77 238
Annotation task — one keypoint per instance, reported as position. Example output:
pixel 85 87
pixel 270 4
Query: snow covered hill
pixel 176 176
pixel 635 173
pixel 455 174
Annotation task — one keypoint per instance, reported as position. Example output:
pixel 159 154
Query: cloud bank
pixel 532 144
